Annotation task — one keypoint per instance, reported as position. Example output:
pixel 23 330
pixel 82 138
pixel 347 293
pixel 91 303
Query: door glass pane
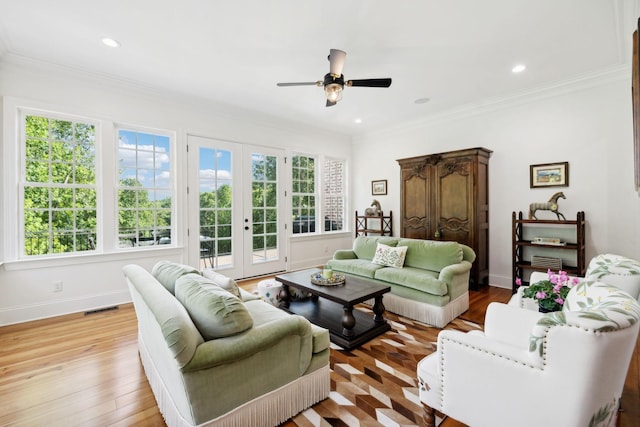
pixel 215 208
pixel 264 175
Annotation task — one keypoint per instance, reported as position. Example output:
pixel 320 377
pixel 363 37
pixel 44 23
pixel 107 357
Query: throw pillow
pixel 215 312
pixel 390 256
pixel 223 281
pixel 167 272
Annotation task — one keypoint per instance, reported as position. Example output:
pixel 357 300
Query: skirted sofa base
pixel 270 409
pixel 425 313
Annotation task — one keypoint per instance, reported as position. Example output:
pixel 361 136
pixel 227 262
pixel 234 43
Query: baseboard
pixel 500 281
pixel 45 310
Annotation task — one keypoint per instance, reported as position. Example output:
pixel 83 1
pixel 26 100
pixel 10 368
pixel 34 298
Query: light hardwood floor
pixel 84 370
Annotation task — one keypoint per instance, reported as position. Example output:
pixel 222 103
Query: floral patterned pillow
pixel 390 256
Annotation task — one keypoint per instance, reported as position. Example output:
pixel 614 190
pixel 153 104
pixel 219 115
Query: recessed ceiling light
pixel 421 101
pixel 358 121
pixel 518 68
pixel 110 42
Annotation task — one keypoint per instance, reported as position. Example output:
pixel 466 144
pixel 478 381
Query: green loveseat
pixel 216 355
pixel 431 285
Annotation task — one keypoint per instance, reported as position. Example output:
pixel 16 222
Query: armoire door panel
pixel 415 206
pixel 415 223
pixel 453 197
pixel 454 200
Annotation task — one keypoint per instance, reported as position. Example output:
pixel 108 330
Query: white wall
pixel 587 123
pixel 96 280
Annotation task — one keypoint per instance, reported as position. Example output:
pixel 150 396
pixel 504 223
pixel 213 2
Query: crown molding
pixel 577 83
pixel 220 109
pixel 4 43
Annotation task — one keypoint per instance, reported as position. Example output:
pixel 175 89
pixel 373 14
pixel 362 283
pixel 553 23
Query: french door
pixel 238 210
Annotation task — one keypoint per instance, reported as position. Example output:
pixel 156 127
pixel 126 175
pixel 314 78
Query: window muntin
pixel 59 191
pixel 264 206
pixel 303 197
pixel 333 195
pixel 145 191
pixel 311 213
pixel 216 206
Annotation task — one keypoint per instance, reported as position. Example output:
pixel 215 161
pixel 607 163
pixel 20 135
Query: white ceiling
pixel 457 53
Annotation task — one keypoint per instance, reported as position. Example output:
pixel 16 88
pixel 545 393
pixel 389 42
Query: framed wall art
pixel 549 175
pixel 379 188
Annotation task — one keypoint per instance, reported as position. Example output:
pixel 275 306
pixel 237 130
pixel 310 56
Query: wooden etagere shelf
pixel 378 225
pixel 521 261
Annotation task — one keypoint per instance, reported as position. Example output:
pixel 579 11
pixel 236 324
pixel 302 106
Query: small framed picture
pixel 379 187
pixel 550 175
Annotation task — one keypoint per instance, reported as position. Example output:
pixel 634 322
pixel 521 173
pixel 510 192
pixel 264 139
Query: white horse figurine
pixel 374 210
pixel 551 205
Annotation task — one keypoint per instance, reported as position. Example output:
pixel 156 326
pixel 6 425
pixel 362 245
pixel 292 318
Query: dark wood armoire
pixel 445 196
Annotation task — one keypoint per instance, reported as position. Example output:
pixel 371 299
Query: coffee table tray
pixel 336 280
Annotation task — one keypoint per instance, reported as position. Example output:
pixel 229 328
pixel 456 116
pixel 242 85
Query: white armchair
pixel 615 270
pixel 565 368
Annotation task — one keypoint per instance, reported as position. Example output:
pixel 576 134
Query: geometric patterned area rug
pixel 375 384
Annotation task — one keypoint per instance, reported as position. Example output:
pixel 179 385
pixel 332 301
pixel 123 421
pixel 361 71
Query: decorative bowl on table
pixel 335 280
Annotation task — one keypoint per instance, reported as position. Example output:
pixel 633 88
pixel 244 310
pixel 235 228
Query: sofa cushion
pixel 216 312
pixel 167 272
pixel 417 296
pixel 414 278
pixel 357 267
pixel 178 330
pixel 431 255
pixel 365 247
pixel 223 281
pixel 390 256
pixel 264 313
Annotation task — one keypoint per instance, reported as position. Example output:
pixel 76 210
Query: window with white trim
pixel 308 215
pixel 333 194
pixel 145 190
pixel 66 181
pixel 303 194
pixel 58 187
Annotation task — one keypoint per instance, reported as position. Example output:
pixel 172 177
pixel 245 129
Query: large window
pixel 59 186
pixel 61 192
pixel 307 213
pixel 303 197
pixel 333 195
pixel 145 188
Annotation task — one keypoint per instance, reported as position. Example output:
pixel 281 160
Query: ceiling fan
pixel 334 81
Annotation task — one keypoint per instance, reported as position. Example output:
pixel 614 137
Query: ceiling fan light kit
pixel 333 86
pixel 334 80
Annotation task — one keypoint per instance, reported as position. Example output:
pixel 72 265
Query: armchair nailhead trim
pixel 452 341
pixel 590 330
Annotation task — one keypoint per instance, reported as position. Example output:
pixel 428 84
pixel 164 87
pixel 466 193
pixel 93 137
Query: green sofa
pixel 216 355
pixel 431 285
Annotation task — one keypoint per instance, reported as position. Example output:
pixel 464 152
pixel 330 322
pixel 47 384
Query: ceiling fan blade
pixel 336 61
pixel 317 83
pixel 331 103
pixel 369 82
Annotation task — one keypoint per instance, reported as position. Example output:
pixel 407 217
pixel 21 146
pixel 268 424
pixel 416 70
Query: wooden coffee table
pixel 331 307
